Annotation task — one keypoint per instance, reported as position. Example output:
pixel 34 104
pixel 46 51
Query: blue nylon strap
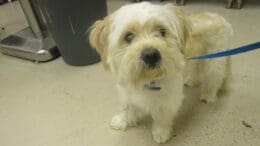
pixel 238 50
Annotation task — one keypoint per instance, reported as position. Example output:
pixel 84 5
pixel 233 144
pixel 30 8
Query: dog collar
pixel 152 86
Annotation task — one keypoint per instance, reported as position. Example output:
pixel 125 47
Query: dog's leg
pixel 162 124
pixel 213 74
pixel 191 70
pixel 130 114
pixel 128 117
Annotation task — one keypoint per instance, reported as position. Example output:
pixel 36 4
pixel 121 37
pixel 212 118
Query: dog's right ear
pixel 185 24
pixel 98 39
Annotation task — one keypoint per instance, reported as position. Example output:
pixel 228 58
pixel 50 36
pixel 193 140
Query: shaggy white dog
pixel 146 46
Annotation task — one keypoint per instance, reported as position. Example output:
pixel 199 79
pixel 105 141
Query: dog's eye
pixel 162 32
pixel 129 37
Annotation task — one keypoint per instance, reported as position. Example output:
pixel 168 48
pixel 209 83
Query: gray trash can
pixel 68 21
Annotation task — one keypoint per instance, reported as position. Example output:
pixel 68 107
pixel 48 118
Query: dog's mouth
pixel 150 72
pixel 144 69
pixel 150 66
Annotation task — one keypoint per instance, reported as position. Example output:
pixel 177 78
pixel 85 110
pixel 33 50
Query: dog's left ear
pixel 184 23
pixel 98 39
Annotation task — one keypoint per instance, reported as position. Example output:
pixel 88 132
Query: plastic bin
pixel 68 21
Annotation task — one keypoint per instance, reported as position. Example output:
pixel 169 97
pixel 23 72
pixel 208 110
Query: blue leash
pixel 246 48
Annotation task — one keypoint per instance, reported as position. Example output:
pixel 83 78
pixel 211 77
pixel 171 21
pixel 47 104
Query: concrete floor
pixel 54 104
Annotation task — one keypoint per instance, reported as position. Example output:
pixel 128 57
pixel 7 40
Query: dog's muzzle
pixel 151 57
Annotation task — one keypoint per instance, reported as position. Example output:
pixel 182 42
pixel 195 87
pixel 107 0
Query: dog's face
pixel 141 42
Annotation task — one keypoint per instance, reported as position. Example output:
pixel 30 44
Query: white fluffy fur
pixel 185 37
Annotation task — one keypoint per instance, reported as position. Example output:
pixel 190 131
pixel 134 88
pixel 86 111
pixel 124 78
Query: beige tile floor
pixel 54 104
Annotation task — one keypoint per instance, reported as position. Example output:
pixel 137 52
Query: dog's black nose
pixel 151 56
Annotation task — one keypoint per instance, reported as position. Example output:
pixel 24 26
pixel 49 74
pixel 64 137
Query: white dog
pixel 146 46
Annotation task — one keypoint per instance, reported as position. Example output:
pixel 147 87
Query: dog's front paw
pixel 161 135
pixel 119 122
pixel 208 98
